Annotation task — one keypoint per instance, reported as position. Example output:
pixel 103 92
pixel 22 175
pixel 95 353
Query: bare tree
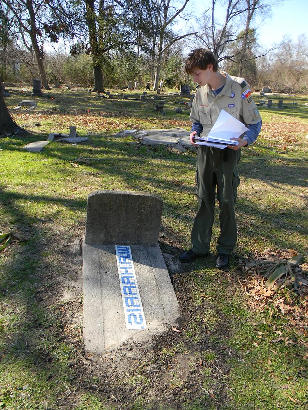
pixel 165 18
pixel 217 36
pixel 252 8
pixel 36 21
pixel 238 17
pixel 288 68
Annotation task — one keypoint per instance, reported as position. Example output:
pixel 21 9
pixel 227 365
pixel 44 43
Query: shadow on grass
pixel 126 161
pixel 128 104
pixel 266 168
pixel 29 344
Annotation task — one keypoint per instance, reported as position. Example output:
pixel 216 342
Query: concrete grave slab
pixel 160 140
pixel 73 140
pixel 36 146
pixel 177 138
pixel 185 142
pixel 28 103
pixel 125 221
pixel 125 133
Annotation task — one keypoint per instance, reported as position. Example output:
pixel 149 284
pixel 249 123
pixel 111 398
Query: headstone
pixel 266 89
pixel 159 106
pixel 37 87
pixel 28 103
pixel 72 131
pixel 185 90
pixel 127 292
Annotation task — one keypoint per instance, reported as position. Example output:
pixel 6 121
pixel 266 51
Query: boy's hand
pixel 241 143
pixel 192 137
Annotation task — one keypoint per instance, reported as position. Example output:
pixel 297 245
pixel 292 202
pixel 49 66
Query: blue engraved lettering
pixel 132 318
pixel 130 290
pixel 126 271
pixel 131 301
pixel 128 280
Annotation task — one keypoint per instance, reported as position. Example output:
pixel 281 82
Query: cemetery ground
pixel 241 342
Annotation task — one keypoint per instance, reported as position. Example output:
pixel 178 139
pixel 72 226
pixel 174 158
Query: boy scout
pixel 216 167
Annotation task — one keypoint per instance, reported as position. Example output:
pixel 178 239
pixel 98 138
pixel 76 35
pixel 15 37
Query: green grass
pixel 236 348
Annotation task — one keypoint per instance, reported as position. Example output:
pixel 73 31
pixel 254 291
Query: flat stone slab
pixel 73 140
pixel 170 137
pixel 36 146
pixel 105 322
pixel 174 137
pixel 185 142
pixel 28 103
pixel 127 292
pixel 160 140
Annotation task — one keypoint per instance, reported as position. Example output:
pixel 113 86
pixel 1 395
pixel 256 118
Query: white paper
pixel 223 131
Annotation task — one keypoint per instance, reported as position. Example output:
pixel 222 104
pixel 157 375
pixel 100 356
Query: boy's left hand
pixel 241 143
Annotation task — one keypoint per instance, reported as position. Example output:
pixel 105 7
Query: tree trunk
pixel 94 43
pixel 7 124
pixel 98 78
pixel 251 8
pixel 39 55
pixel 159 61
pixel 157 75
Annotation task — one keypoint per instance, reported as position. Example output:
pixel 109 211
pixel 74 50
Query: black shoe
pixel 222 261
pixel 188 256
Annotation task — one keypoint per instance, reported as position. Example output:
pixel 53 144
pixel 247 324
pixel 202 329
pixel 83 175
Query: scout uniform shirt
pixel 234 98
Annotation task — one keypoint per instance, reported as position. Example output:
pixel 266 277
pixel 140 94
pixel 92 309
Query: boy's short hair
pixel 200 58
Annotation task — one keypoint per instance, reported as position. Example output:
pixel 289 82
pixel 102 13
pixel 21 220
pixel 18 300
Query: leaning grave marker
pixel 128 295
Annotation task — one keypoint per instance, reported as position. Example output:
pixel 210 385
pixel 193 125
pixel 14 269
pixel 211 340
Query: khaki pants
pixel 216 170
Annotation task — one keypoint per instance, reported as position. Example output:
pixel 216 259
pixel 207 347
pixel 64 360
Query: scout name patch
pixel 246 93
pixel 133 310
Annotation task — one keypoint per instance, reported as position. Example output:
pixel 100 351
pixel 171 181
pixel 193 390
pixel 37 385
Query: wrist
pixel 245 142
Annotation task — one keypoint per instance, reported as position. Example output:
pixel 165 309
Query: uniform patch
pixel 232 95
pixel 231 105
pixel 249 99
pixel 246 93
pixel 243 84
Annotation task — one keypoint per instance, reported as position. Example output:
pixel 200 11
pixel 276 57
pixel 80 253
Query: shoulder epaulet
pixel 240 80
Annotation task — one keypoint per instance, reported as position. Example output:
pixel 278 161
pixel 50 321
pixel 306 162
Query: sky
pixel 288 18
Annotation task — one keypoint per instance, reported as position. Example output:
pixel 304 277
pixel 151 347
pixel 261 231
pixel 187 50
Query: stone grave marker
pixel 73 132
pixel 185 90
pixel 159 106
pixel 127 292
pixel 28 103
pixel 37 88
